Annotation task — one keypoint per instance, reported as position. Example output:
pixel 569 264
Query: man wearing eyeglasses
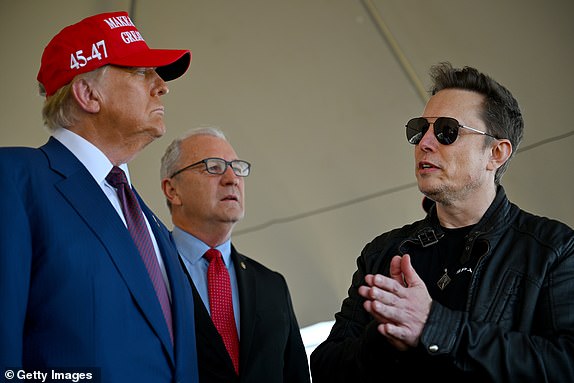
pixel 246 328
pixel 477 291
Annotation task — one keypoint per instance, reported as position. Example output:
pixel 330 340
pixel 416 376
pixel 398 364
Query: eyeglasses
pixel 445 129
pixel 144 71
pixel 219 166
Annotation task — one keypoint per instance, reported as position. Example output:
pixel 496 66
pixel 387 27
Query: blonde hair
pixel 60 110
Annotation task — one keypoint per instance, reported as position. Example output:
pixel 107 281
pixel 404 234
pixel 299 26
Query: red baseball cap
pixel 106 38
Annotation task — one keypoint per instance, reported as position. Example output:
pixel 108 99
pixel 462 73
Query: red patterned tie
pixel 221 304
pixel 140 234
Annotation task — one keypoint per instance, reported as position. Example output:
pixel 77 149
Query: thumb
pixel 409 274
pixel 395 270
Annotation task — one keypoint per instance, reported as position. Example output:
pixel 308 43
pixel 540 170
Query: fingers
pixel 400 303
pixel 396 271
pixel 388 330
pixel 369 279
pixel 377 294
pixel 377 310
pixel 386 283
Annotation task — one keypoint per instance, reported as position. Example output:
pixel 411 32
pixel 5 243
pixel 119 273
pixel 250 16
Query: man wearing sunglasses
pixel 246 327
pixel 477 291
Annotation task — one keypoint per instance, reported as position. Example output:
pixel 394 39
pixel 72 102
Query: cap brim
pixel 169 63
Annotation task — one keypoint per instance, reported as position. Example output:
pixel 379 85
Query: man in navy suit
pixel 203 181
pixel 75 292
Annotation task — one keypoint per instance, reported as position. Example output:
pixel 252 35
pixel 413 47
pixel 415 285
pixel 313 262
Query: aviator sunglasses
pixel 445 129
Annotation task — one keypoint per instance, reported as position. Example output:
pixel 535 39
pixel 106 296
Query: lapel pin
pixel 243 265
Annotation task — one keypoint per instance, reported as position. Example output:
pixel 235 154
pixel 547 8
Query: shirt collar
pixel 88 154
pixel 192 248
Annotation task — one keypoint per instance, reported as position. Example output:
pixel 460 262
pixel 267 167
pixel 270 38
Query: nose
pixel 428 141
pixel 160 86
pixel 229 177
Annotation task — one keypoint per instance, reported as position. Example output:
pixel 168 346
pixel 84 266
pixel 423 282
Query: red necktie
pixel 140 234
pixel 221 304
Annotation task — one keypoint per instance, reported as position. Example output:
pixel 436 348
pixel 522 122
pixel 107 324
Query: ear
pixel 499 153
pixel 170 191
pixel 86 95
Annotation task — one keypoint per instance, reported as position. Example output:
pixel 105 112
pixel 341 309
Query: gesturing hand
pixel 400 304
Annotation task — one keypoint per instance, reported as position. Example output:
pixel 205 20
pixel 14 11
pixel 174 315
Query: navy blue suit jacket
pixel 73 289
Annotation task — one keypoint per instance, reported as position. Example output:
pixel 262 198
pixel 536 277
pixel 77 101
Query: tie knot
pixel 116 177
pixel 212 254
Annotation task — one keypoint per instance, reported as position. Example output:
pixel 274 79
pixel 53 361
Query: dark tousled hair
pixel 501 113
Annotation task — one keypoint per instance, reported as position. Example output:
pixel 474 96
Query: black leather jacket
pixel 518 325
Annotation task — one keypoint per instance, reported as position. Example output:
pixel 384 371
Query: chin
pixel 160 131
pixel 234 218
pixel 156 127
pixel 433 193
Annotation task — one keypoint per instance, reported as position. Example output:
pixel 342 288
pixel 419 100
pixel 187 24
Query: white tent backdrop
pixel 315 93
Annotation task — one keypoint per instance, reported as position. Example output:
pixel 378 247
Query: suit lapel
pixel 247 296
pixel 82 192
pixel 211 349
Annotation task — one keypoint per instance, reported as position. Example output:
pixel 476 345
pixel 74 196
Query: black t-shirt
pixel 448 278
